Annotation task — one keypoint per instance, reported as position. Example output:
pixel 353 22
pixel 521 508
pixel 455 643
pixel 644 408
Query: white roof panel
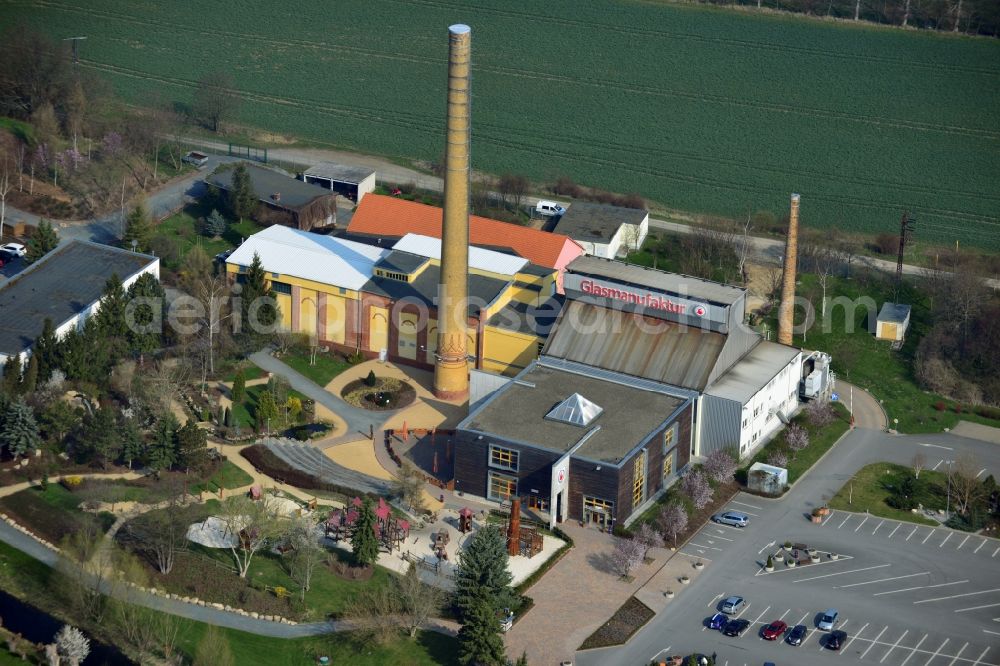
pixel 325 259
pixel 484 260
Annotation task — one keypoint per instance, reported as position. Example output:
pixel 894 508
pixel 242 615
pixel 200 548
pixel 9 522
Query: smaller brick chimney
pixel 787 308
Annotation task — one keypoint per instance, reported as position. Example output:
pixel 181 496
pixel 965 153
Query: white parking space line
pixel 963 610
pixel 666 649
pixel 911 533
pixel 829 517
pixel 898 525
pixel 877 528
pixel 928 536
pixel 954 582
pixel 914 649
pixel 980 546
pixel 995 552
pixel 752 624
pixel 844 521
pixel 862 523
pixel 785 613
pixel 945 540
pixel 956 596
pixel 894 645
pixel 752 506
pixel 716 536
pixel 883 580
pixel 980 657
pixel 937 652
pixel 714 600
pixel 745 609
pixel 698 545
pixel 955 658
pixel 857 635
pixel 872 644
pixel 696 557
pixel 981 472
pixel 967 537
pixel 920 587
pixel 934 469
pixel 841 573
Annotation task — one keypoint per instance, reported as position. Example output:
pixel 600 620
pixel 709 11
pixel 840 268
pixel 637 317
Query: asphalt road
pixel 908 595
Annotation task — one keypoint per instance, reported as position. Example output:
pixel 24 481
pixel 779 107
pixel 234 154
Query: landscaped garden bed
pixel 627 620
pixel 265 461
pixel 379 393
pixel 872 489
pixel 53 512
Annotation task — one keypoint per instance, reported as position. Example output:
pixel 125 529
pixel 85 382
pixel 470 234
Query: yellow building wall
pixel 336 318
pixel 407 336
pixel 285 305
pixel 508 352
pixel 378 329
pixel 307 312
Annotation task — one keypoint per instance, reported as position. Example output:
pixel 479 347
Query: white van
pixel 549 208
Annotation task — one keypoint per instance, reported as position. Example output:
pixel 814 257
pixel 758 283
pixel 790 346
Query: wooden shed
pixel 284 200
pixel 893 320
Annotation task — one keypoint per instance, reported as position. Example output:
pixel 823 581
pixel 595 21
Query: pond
pixel 39 627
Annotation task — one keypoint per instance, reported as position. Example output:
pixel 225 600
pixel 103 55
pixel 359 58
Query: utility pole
pixel 905 234
pixel 76 48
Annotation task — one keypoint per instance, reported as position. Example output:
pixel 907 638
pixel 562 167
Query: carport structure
pixel 348 181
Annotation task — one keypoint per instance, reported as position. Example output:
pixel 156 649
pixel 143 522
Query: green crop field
pixel 700 109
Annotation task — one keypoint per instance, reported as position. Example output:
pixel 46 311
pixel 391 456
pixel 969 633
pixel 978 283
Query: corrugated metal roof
pixel 635 345
pixel 753 372
pixel 484 260
pixel 310 256
pixel 894 312
pixel 671 283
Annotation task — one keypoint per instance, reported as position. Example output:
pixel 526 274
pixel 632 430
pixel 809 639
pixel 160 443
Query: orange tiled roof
pixel 389 216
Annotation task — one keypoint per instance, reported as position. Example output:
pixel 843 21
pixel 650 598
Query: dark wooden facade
pixel 601 480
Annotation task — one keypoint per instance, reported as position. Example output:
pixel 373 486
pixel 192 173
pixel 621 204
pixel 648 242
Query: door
pixel 406 346
pixel 378 329
pixel 889 331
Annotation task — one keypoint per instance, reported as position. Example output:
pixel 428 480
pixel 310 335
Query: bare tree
pixel 918 463
pixel 797 439
pixel 820 413
pixel 409 487
pixel 647 537
pixel 160 534
pixel 251 525
pixel 777 457
pixel 214 100
pixel 626 556
pixel 306 555
pixel 744 243
pixel 418 601
pixel 375 613
pixel 964 486
pixel 5 187
pixel 673 520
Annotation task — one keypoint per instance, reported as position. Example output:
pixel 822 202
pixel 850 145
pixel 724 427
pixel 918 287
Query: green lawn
pixel 51 513
pixel 868 491
pixel 327 366
pixel 820 441
pixel 243 412
pixel 228 477
pixel 181 230
pixel 869 363
pixel 250 371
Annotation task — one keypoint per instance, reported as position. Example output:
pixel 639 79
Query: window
pixel 597 505
pixel 392 275
pixel 541 345
pixel 503 458
pixel 638 478
pixel 275 275
pixel 281 288
pixel 502 487
pixel 668 438
pixel 668 466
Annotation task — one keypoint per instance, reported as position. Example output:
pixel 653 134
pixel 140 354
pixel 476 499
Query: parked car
pixel 796 635
pixel 735 627
pixel 15 248
pixel 732 605
pixel 717 621
pixel 196 158
pixel 734 518
pixel 549 208
pixel 835 640
pixel 773 631
pixel 828 620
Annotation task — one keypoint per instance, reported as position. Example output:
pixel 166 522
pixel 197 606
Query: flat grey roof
pixel 526 318
pixel 752 372
pixel 62 284
pixel 517 412
pixel 671 283
pixel 597 222
pixel 894 312
pixel 401 262
pixel 266 182
pixel 339 172
pixel 482 290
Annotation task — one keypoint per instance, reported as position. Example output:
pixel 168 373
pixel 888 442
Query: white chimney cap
pixel 795 197
pixel 459 29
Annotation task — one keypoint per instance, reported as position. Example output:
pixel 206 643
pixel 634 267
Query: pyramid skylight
pixel 575 410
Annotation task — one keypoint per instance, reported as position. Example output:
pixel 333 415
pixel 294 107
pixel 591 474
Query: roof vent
pixel 575 410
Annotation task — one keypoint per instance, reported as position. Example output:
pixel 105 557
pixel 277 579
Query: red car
pixel 774 631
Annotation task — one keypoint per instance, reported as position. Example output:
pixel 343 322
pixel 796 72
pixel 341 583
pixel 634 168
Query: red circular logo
pixel 562 475
pixel 699 310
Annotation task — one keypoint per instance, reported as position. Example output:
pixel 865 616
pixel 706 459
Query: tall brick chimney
pixel 787 307
pixel 451 369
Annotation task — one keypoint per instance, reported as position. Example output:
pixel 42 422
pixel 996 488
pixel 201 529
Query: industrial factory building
pixel 352 296
pixel 643 371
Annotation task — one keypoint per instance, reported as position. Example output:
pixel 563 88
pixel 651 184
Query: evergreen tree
pixel 483 574
pixel 228 418
pixel 46 351
pixel 30 379
pixel 138 228
pixel 146 304
pixel 192 446
pixel 12 375
pixel 19 433
pixel 42 241
pixel 57 420
pixel 133 446
pixel 364 541
pixel 215 224
pixel 257 299
pixel 267 410
pixel 99 436
pixel 242 197
pixel 480 639
pixel 111 317
pixel 239 386
pixel 162 450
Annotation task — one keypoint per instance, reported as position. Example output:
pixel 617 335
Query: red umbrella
pixel 357 501
pixel 382 512
pixel 465 512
